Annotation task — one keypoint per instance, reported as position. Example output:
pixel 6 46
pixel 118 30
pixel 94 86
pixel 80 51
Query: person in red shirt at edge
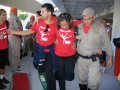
pixel 65 48
pixel 44 59
pixel 3 47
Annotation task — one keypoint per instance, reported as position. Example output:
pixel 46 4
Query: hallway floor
pixel 109 81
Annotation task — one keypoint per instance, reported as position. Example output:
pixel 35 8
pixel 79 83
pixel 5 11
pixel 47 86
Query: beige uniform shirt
pixel 94 40
pixel 15 23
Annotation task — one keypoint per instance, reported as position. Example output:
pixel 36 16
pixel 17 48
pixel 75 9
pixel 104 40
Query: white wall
pixel 26 5
pixel 116 21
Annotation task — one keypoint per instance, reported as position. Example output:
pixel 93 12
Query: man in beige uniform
pixel 91 37
pixel 14 41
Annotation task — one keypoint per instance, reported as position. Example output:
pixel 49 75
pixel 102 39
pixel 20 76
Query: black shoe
pixel 25 54
pixel 5 81
pixel 83 87
pixel 89 89
pixel 32 55
pixel 21 51
pixel 2 86
pixel 18 70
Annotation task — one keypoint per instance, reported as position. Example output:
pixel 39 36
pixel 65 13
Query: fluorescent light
pixel 40 1
pixel 46 1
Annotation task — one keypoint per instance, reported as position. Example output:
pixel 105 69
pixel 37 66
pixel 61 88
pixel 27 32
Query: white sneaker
pixel 103 70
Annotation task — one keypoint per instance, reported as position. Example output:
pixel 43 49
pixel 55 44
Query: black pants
pixel 50 78
pixel 3 58
pixel 65 66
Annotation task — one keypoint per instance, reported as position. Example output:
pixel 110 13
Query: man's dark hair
pixel 48 7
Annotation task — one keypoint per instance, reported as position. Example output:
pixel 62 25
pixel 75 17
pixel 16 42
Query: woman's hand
pixel 56 41
pixel 74 46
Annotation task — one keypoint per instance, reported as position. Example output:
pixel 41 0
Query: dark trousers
pixel 4 58
pixel 65 66
pixel 49 75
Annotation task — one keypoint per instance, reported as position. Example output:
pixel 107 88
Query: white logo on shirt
pixel 65 37
pixel 43 34
pixel 3 35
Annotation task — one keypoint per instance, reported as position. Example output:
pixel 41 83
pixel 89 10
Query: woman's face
pixel 3 16
pixel 64 24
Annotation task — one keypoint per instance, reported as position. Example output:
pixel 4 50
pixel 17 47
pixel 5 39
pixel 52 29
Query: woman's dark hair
pixel 67 17
pixel 49 7
pixel 1 11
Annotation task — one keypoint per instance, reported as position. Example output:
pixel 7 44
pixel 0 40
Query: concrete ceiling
pixel 74 7
pixel 26 5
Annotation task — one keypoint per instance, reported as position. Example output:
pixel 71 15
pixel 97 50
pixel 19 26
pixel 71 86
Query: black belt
pixel 93 57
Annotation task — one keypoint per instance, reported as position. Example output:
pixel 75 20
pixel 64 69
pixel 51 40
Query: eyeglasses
pixel 46 29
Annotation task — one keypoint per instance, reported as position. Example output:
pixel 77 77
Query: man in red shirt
pixel 45 29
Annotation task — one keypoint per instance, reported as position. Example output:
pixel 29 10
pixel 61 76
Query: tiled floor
pixel 109 81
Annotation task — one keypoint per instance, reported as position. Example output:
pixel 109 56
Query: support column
pixel 116 34
pixel 116 21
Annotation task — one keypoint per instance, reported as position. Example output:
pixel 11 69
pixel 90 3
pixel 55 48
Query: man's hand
pixel 110 62
pixel 10 31
pixel 119 76
pixel 100 52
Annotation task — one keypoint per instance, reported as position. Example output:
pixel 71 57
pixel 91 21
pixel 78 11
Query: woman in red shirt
pixel 3 47
pixel 65 49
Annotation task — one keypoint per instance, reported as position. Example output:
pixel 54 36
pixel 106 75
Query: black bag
pixel 116 42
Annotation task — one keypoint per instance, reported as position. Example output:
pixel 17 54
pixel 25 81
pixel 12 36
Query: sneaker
pixel 32 55
pixel 2 86
pixel 25 54
pixel 103 70
pixel 5 81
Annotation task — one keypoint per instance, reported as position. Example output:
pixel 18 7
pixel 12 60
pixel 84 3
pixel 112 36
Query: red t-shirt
pixel 45 38
pixel 86 28
pixel 66 40
pixel 3 37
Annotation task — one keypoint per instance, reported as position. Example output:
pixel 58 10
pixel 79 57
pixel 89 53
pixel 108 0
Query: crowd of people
pixel 56 47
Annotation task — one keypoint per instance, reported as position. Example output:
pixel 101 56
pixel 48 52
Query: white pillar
pixel 116 21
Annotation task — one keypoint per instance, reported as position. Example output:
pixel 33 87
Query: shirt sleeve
pixel 106 42
pixel 77 22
